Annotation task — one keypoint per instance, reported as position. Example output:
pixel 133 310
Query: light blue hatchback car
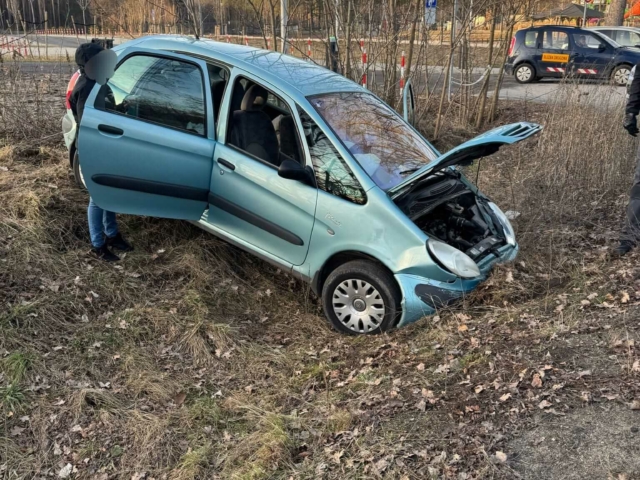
pixel 299 166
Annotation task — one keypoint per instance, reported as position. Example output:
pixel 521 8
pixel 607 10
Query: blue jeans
pixel 100 221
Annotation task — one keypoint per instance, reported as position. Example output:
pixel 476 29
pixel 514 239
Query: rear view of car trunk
pixel 446 208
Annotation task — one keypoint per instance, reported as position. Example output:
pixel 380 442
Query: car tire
pixel 525 73
pixel 361 297
pixel 620 75
pixel 77 172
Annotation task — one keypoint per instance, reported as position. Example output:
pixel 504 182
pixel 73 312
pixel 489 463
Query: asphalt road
pixel 543 91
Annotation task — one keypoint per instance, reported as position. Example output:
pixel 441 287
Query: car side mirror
pixel 292 170
pixel 637 46
pixel 602 48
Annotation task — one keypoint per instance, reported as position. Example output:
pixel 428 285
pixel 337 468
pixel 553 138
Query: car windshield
pixel 386 147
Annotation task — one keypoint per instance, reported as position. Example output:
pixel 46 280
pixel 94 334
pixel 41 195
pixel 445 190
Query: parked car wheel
pixel 620 75
pixel 77 171
pixel 525 73
pixel 361 297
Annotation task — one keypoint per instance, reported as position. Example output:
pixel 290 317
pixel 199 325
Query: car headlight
pixel 509 234
pixel 453 259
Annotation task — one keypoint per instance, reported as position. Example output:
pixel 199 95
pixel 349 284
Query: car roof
pixel 276 68
pixel 559 27
pixel 605 27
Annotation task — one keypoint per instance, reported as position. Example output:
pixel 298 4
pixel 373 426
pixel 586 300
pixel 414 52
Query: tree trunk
pixel 274 37
pixel 443 94
pixel 412 36
pixel 485 86
pixel 347 35
pixel 496 92
pixel 615 15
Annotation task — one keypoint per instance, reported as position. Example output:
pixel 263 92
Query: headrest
pixel 254 99
pixel 276 123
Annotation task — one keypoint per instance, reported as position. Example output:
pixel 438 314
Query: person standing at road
pixel 103 227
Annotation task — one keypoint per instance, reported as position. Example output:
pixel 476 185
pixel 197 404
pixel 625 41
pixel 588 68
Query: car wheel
pixel 361 297
pixel 620 75
pixel 77 171
pixel 525 73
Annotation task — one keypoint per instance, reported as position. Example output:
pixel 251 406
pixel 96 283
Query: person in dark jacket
pixel 103 227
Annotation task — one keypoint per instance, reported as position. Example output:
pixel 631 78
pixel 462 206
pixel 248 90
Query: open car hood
pixel 481 146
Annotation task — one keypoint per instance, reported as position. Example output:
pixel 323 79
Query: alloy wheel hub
pixel 358 305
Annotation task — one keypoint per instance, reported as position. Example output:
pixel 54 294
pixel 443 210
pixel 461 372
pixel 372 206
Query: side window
pixel 164 91
pixel 555 40
pixel 609 33
pixel 586 40
pixel 627 38
pixel 333 175
pixel 531 40
pixel 261 124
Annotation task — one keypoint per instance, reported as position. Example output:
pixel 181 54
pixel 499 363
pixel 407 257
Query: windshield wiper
pixel 410 170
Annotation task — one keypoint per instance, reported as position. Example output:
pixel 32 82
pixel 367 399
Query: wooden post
pixel 46 34
pixel 75 30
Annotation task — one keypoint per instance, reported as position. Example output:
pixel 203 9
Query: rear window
pixel 531 39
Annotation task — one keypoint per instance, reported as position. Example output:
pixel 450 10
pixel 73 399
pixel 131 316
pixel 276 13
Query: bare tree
pixel 84 4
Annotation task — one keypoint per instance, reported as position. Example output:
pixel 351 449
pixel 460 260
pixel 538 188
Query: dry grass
pixel 195 360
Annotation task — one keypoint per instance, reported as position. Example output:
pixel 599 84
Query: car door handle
pixel 226 163
pixel 110 130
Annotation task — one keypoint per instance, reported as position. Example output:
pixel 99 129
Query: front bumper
pixel 423 296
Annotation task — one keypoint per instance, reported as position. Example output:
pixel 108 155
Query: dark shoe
pixel 119 243
pixel 622 249
pixel 103 253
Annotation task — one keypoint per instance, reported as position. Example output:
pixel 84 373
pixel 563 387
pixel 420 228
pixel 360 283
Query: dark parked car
pixel 555 51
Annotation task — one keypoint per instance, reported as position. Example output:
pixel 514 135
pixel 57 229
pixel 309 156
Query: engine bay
pixel 444 207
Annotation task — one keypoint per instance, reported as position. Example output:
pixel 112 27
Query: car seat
pixel 285 128
pixel 251 128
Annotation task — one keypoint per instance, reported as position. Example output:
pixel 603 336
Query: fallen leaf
pixel 463 328
pixel 501 456
pixel 180 398
pixel 625 297
pixel 584 373
pixel 505 397
pixel 635 405
pixel 381 465
pixel 537 381
pixel 544 404
pixel 65 471
pixel 420 367
pixel 636 366
pixel 427 393
pixel 16 431
pixel 509 277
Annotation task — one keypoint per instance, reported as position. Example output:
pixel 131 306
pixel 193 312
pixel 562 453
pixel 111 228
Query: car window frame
pixel 223 132
pixel 344 160
pixel 207 100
